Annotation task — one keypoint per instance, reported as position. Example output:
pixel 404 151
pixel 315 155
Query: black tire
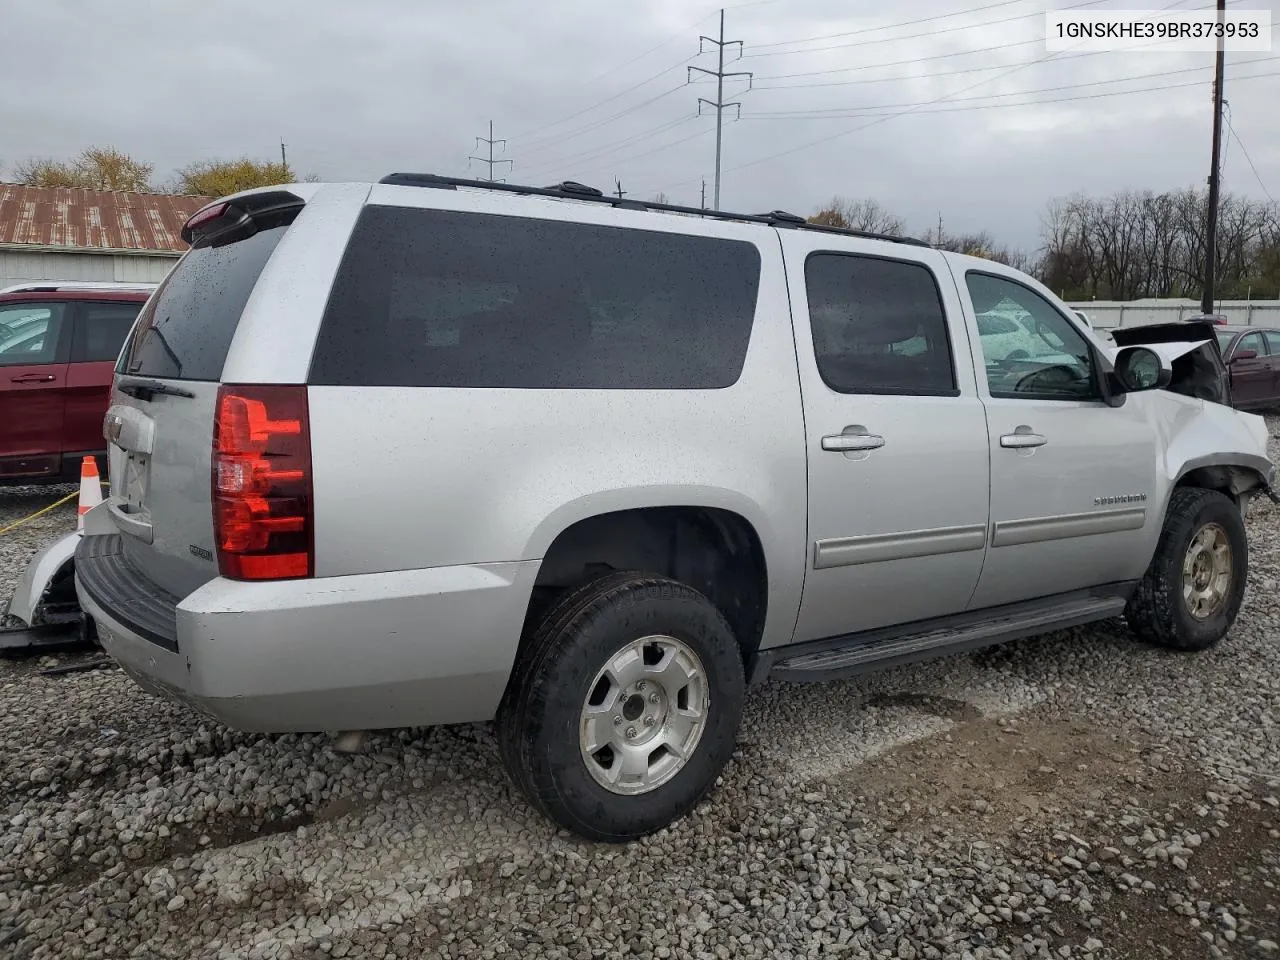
pixel 1156 612
pixel 540 718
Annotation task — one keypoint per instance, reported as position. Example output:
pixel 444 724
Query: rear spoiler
pixel 226 221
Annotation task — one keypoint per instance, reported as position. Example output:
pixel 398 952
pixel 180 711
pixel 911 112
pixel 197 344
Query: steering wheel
pixel 1018 354
pixel 1053 378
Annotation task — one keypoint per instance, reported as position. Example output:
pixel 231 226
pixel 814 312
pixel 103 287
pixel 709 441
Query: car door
pixel 895 433
pixel 1251 377
pixel 1072 477
pixel 1272 339
pixel 33 371
pixel 99 330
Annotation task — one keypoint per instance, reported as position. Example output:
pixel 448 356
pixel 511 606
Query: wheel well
pixel 717 552
pixel 1233 481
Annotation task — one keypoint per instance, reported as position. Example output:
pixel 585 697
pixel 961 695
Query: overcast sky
pixel 590 91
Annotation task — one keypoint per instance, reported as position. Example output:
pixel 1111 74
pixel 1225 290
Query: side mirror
pixel 1140 368
pixel 1244 355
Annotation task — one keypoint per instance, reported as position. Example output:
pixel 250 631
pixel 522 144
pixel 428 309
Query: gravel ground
pixel 1077 795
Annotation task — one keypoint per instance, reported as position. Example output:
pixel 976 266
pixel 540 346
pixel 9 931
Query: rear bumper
pixel 408 648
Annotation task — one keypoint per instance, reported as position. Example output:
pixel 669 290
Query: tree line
pixel 106 168
pixel 1126 246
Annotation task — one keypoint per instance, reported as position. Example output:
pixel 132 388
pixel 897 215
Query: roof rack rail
pixel 573 190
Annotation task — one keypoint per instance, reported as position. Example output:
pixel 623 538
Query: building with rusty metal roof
pixel 62 233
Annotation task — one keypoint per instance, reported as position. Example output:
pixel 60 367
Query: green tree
pixel 218 178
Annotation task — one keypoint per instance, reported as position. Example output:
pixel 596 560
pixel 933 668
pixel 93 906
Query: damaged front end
pixel 1219 454
pixel 1191 346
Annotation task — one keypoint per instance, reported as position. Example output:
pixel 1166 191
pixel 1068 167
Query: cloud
pixel 358 89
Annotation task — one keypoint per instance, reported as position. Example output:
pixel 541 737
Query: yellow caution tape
pixel 38 513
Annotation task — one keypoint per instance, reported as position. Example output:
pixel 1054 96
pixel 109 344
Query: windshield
pixel 1224 339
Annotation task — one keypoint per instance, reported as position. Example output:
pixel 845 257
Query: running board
pixel 874 650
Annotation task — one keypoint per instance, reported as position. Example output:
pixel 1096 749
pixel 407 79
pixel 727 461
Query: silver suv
pixel 433 451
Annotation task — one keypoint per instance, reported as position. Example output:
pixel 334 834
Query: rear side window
pixel 433 298
pixel 878 326
pixel 100 330
pixel 185 330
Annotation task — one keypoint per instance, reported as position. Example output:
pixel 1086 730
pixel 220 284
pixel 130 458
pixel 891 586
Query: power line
pixel 900 63
pixel 537 136
pixel 844 133
pixel 603 150
pixel 490 161
pixel 910 61
pixel 658 149
pixel 853 111
pixel 887 26
pixel 926 76
pixel 1249 159
pixel 665 146
pixel 926 33
pixel 994 106
pixel 719 104
pixel 558 139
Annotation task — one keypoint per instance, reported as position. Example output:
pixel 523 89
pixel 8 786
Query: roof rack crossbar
pixel 576 191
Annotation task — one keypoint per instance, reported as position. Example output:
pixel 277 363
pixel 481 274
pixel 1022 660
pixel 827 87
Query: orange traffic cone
pixel 90 489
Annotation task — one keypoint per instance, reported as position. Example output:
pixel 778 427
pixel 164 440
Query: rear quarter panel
pixel 408 478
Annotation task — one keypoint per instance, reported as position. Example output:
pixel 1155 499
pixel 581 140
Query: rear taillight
pixel 262 506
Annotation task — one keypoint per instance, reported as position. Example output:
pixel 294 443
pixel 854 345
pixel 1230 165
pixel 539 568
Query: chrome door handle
pixel 1020 441
pixel 847 442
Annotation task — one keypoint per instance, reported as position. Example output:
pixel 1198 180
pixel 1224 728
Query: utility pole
pixel 490 161
pixel 719 103
pixel 703 202
pixel 283 162
pixel 619 192
pixel 1211 228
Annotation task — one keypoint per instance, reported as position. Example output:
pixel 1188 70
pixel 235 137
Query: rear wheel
pixel 1193 589
pixel 624 707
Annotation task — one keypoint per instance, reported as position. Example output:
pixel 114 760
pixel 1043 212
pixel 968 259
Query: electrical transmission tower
pixel 719 103
pixel 489 160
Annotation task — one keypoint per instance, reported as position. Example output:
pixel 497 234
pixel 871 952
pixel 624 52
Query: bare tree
pixel 866 215
pixel 1133 245
pixel 97 168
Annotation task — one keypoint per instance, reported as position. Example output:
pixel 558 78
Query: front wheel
pixel 1193 589
pixel 624 707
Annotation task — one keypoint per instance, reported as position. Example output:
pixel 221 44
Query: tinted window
pixel 1042 357
pixel 101 329
pixel 878 326
pixel 185 329
pixel 1254 342
pixel 440 299
pixel 29 333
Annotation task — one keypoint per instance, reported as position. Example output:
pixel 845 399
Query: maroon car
pixel 1253 357
pixel 58 347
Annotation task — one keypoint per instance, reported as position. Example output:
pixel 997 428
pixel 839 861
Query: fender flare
pixel 1239 474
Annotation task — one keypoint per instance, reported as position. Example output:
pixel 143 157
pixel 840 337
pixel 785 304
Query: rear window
pixel 185 330
pixel 432 298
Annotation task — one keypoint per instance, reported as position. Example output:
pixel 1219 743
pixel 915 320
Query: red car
pixel 58 348
pixel 1253 357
